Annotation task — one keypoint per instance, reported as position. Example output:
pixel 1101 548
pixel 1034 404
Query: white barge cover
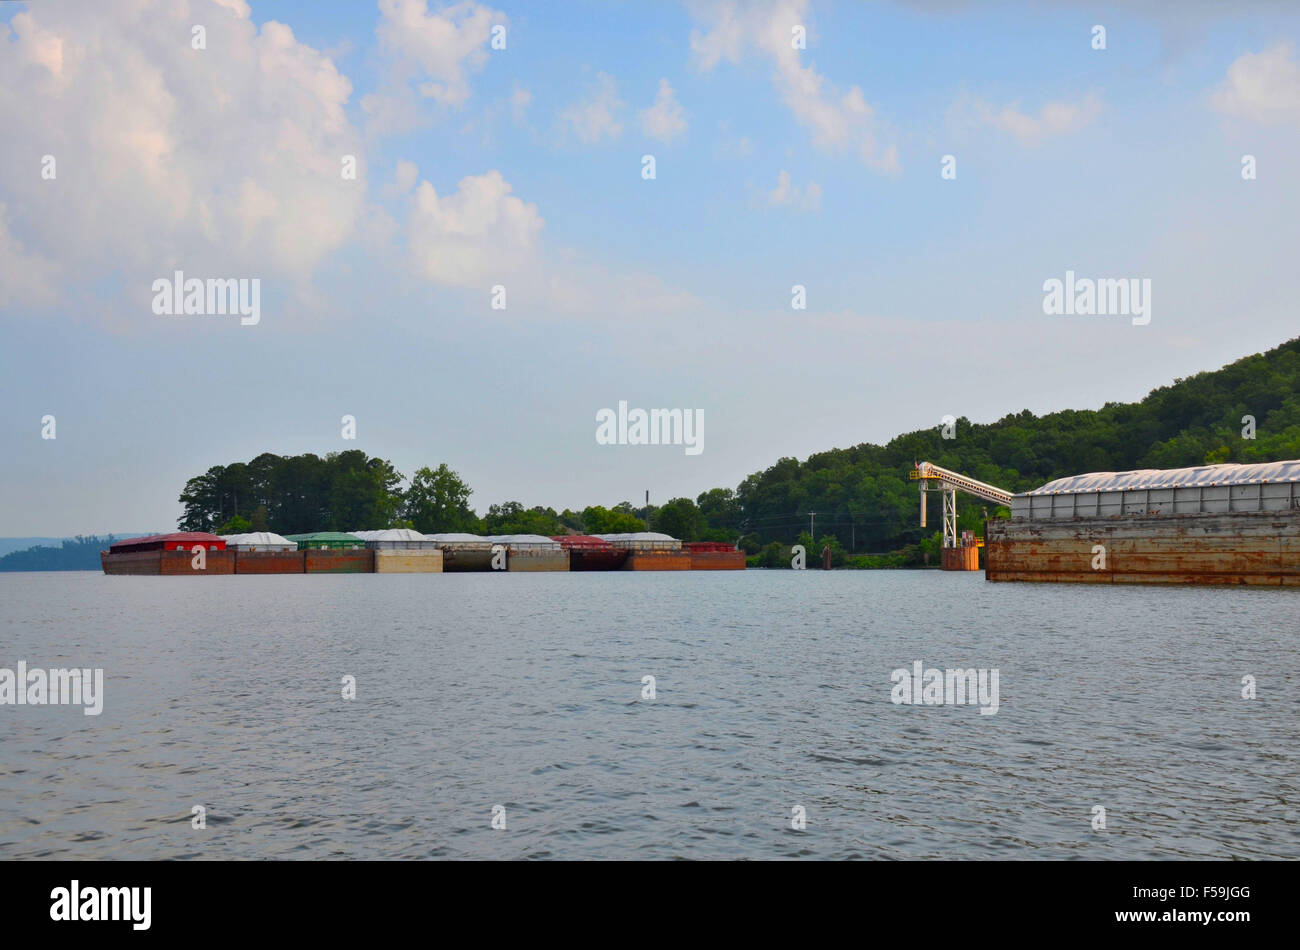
pixel 1200 476
pixel 1200 490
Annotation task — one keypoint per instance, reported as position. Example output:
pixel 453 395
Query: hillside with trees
pixel 864 501
pixel 72 554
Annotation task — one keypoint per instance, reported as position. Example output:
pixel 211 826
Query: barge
pixel 590 553
pixel 463 552
pixel 714 556
pixel 180 552
pixel 650 551
pixel 333 552
pixel 1227 524
pixel 402 551
pixel 532 552
pixel 262 552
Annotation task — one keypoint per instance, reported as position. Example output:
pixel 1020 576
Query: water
pixel 524 690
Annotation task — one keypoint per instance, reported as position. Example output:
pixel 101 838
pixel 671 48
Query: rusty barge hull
pixel 596 559
pixel 169 563
pixel 464 558
pixel 1258 548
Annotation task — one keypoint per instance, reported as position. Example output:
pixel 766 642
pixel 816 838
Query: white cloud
pixel 432 53
pixel 786 194
pixel 482 234
pixel 520 99
pixel 225 160
pixel 665 120
pixel 1054 118
pixel 25 279
pixel 836 119
pixel 477 236
pixel 596 117
pixel 1263 87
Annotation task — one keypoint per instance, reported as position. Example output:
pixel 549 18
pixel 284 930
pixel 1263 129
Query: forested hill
pixel 862 495
pixel 72 554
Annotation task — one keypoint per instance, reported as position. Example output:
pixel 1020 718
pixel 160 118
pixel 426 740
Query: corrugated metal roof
pixel 323 536
pixel 457 536
pixel 1228 473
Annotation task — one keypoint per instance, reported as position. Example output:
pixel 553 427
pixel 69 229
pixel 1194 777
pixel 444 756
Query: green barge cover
pixel 329 540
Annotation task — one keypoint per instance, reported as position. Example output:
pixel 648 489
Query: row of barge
pixel 403 551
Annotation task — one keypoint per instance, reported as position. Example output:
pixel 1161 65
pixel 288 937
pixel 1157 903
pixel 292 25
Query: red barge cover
pixel 176 541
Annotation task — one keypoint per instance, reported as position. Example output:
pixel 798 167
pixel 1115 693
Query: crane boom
pixel 950 483
pixel 951 479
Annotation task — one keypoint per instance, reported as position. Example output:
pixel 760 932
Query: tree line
pixel 73 554
pixel 864 502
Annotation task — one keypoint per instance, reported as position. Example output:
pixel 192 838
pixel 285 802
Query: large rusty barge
pixel 1210 524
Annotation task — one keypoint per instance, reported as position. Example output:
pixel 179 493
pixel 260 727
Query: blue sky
pixel 522 167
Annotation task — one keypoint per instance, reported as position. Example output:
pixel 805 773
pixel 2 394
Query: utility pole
pixel 812 521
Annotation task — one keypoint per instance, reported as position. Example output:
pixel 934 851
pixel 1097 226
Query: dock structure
pixel 959 553
pixel 1208 524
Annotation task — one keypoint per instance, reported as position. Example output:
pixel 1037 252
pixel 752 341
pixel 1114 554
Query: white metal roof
pixel 458 536
pixel 392 534
pixel 523 539
pixel 1228 473
pixel 260 539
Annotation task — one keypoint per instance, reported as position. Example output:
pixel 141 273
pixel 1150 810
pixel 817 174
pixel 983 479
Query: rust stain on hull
pixel 717 560
pixel 269 562
pixel 340 561
pixel 960 559
pixel 1242 548
pixel 171 563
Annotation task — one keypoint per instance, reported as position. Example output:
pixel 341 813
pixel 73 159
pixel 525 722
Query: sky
pixel 920 169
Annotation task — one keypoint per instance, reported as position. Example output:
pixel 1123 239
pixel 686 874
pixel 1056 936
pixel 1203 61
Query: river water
pixel 525 691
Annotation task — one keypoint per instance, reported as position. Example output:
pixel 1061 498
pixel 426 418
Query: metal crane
pixel 950 483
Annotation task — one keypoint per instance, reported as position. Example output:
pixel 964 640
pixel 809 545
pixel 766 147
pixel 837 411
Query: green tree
pixel 680 518
pixel 437 501
pixel 235 525
pixel 513 518
pixel 597 519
